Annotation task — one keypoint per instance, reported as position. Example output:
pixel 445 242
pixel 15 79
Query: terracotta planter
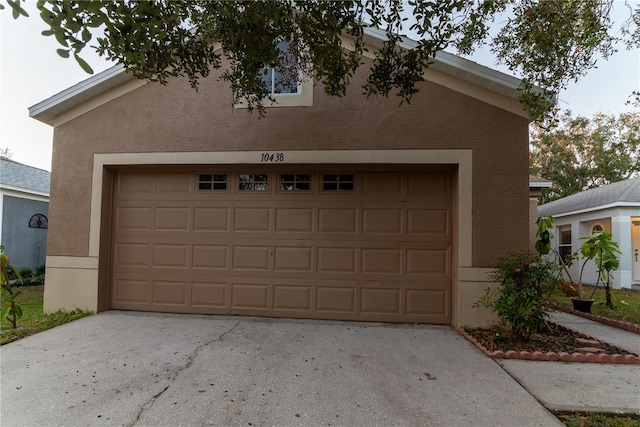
pixel 571 289
pixel 583 305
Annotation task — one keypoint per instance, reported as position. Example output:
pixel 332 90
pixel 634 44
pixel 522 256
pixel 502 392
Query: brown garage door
pixel 307 242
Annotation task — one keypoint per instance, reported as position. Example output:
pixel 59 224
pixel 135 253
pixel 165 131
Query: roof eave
pixel 46 111
pixel 597 208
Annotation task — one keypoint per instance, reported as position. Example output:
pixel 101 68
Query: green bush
pixel 518 301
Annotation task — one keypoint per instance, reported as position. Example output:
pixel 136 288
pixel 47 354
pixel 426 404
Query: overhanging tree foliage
pixel 582 153
pixel 548 43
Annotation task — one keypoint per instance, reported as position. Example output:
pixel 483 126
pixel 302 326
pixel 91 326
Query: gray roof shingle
pixel 619 192
pixel 16 174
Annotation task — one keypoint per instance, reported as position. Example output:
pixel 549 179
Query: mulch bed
pixel 556 339
pixel 555 343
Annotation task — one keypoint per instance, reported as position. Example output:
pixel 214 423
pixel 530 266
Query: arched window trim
pixel 38 221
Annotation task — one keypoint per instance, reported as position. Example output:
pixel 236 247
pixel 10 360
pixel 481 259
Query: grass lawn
pixel 33 320
pixel 627 303
pixel 598 420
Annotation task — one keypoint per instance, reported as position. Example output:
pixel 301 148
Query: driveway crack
pixel 190 359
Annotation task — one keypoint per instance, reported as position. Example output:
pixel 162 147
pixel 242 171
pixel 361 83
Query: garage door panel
pixel 130 291
pixel 427 302
pixel 293 258
pixel 174 219
pixel 374 301
pixel 177 182
pixel 383 184
pixel 252 219
pixel 133 218
pixel 428 261
pixel 166 292
pixel 381 260
pixel 294 220
pixel 296 298
pixel 210 257
pixel 382 220
pixel 211 219
pixel 134 182
pixel 209 294
pixel 251 257
pixel 249 295
pixel 338 220
pixel 173 256
pixel 429 221
pixel 331 299
pixel 430 185
pixel 131 255
pixel 336 260
pixel 381 250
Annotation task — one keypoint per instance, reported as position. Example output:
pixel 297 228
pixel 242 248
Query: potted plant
pixel 601 249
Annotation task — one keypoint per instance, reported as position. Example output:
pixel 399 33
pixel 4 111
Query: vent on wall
pixel 38 221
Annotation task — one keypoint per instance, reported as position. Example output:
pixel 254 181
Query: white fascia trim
pixel 462 158
pixel 24 193
pixel 40 111
pixel 460 63
pixel 598 208
pixel 538 184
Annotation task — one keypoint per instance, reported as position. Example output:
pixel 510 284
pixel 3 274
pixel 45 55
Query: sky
pixel 31 71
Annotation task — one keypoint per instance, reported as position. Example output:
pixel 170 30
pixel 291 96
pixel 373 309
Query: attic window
pixel 282 80
pixel 596 229
pixel 38 221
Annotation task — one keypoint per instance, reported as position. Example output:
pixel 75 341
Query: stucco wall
pixel 154 118
pixel 25 246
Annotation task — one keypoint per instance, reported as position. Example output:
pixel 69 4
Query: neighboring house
pixel 166 199
pixel 536 184
pixel 614 208
pixel 24 211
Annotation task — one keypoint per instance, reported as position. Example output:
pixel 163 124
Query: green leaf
pixel 60 36
pixel 86 35
pixel 18 310
pixel 17 9
pixel 63 52
pixel 5 312
pixel 48 33
pixel 83 64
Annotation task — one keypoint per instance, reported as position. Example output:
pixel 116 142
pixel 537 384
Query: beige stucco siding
pixel 174 118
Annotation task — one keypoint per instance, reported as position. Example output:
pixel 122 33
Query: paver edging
pixel 627 326
pixel 629 359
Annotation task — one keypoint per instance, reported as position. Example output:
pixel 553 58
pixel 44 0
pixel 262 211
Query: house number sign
pixel 271 157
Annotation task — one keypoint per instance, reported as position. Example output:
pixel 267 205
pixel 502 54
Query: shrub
pixel 518 301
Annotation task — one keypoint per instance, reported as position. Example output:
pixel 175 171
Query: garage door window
pixel 253 182
pixel 295 182
pixel 211 182
pixel 338 182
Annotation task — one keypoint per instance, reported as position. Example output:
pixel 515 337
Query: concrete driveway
pixel 136 369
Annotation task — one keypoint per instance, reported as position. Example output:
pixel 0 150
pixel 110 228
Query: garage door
pixel 344 243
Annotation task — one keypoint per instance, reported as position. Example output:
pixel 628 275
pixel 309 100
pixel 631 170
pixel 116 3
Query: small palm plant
pixel 12 311
pixel 603 250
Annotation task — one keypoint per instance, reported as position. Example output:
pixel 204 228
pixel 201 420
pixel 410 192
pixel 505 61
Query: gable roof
pixel 16 176
pixel 619 193
pixel 468 71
